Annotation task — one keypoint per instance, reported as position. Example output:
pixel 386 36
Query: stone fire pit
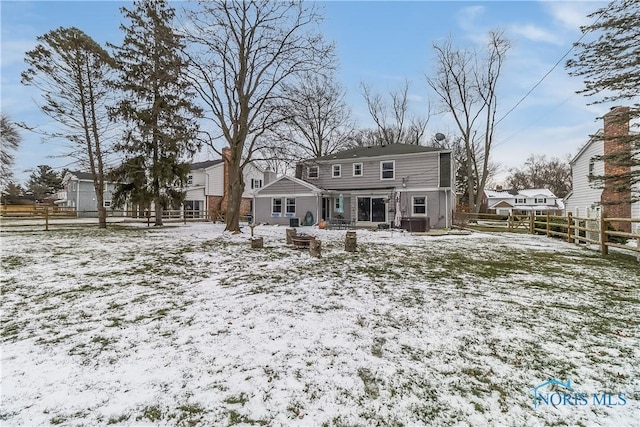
pixel 301 241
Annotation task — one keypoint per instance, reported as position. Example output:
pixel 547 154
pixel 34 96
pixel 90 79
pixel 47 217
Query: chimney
pixel 268 176
pixel 299 168
pixel 616 195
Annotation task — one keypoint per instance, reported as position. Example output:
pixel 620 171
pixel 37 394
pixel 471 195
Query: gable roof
pixel 292 179
pixel 379 150
pixel 205 164
pixel 533 192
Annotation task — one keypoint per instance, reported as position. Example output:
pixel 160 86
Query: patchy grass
pixel 187 326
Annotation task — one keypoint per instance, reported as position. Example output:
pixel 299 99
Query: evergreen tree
pixel 9 141
pixel 157 107
pixel 71 71
pixel 43 182
pixel 609 64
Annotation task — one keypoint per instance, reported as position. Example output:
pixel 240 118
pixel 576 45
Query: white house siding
pixel 215 180
pixel 251 172
pixel 584 196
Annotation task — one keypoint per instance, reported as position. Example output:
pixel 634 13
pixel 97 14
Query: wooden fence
pixel 37 217
pixel 596 231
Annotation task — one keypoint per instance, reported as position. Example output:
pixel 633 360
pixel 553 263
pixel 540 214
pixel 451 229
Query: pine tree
pixel 157 107
pixel 9 141
pixel 609 64
pixel 71 71
pixel 44 182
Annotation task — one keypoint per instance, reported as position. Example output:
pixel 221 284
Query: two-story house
pixel 366 186
pixel 538 200
pixel 79 192
pixel 207 188
pixel 589 197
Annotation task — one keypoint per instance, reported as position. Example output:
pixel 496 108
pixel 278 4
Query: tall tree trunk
pixel 235 189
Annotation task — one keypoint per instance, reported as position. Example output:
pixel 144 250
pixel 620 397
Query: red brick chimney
pixel 616 195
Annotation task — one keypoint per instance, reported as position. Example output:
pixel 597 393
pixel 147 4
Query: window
pixel 74 186
pixel 276 207
pixel 541 200
pixel 190 180
pixel 312 172
pixel 357 169
pixel 419 205
pixel 521 201
pixel 387 169
pixel 592 165
pixel 339 205
pixel 291 206
pixel 445 169
pixel 256 183
pixel 336 171
pixel 107 203
pixel 503 212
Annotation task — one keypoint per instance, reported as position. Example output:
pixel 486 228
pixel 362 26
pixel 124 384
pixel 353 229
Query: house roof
pixel 205 164
pixel 85 176
pixel 379 150
pixel 292 179
pixel 536 192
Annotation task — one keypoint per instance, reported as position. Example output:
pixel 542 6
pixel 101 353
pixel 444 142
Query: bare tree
pixel 71 71
pixel 316 119
pixel 466 82
pixel 394 124
pixel 540 172
pixel 9 141
pixel 243 52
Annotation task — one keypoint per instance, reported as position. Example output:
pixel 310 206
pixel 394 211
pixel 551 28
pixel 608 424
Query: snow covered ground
pixel 186 325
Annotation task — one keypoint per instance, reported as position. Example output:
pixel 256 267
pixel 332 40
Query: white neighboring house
pixel 584 199
pixel 538 200
pixel 207 188
pixel 78 192
pixel 587 196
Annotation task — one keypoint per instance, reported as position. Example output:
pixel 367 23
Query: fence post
pixel 604 249
pixel 569 226
pixel 548 225
pixel 46 219
pixel 148 213
pixel 532 222
pixel 184 216
pixel 509 222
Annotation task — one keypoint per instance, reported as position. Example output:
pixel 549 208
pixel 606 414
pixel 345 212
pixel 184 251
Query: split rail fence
pixel 36 217
pixel 596 231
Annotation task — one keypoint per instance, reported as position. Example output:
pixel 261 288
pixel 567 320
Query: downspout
pixel 77 198
pixel 446 209
pixel 317 209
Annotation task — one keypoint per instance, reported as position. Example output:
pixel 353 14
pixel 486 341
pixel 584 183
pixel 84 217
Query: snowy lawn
pixel 186 325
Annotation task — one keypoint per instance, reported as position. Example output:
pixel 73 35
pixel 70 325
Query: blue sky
pixel 379 43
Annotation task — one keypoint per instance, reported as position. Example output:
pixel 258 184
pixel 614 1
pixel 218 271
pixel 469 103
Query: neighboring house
pixel 79 193
pixel 365 186
pixel 588 198
pixel 539 200
pixel 207 188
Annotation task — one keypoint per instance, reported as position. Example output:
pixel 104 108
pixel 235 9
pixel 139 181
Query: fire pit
pixel 302 241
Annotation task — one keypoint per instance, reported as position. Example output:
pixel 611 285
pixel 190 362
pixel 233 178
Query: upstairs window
pixel 190 180
pixel 357 169
pixel 521 201
pixel 256 183
pixel 541 200
pixel 387 169
pixel 312 172
pixel 592 166
pixel 445 169
pixel 336 171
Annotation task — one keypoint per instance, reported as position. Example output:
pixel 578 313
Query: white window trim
pixel 286 207
pixel 189 179
pixel 353 168
pixel 106 203
pixel 317 169
pixel 521 201
pixel 256 183
pixel 273 213
pixel 333 175
pixel 413 212
pixel 539 201
pixel 394 170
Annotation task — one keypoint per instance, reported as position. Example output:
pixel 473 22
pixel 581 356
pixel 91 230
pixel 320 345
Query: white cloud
pixel 535 33
pixel 466 17
pixel 572 15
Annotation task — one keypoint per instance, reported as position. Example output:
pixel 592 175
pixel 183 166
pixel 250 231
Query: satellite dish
pixel 440 136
